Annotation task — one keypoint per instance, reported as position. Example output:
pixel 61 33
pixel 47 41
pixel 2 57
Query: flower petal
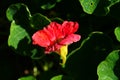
pixel 50 32
pixel 69 27
pixel 57 30
pixel 54 48
pixel 40 38
pixel 70 39
pixel 63 53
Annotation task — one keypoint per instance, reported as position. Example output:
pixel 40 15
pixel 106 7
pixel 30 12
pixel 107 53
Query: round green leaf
pixel 105 69
pixel 89 5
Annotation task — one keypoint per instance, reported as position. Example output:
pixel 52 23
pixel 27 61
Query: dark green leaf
pixel 18 12
pixel 82 63
pixel 47 4
pixel 106 67
pixel 59 20
pixel 38 21
pixel 114 11
pixel 89 5
pixel 103 8
pixel 117 33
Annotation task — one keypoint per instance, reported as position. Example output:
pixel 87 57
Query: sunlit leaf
pixel 105 69
pixel 117 33
pixel 89 5
pixel 17 33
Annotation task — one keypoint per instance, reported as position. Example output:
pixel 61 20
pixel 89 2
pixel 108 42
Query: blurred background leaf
pixel 27 78
pixel 59 77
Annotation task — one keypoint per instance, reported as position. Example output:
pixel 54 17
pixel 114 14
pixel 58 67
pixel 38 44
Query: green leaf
pixel 57 19
pixel 27 78
pixel 81 63
pixel 38 21
pixel 106 67
pixel 47 4
pixel 114 11
pixel 103 8
pixel 14 12
pixel 59 77
pixel 89 5
pixel 17 33
pixel 117 33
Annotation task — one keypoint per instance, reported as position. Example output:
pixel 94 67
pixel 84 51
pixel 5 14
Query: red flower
pixel 55 35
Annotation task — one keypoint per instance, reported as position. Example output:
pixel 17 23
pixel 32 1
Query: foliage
pixel 95 56
pixel 105 68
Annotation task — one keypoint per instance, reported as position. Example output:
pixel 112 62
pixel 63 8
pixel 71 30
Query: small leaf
pixel 89 5
pixel 27 78
pixel 48 6
pixel 17 33
pixel 105 69
pixel 57 19
pixel 38 21
pixel 59 77
pixel 117 33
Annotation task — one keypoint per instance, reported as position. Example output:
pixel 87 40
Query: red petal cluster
pixel 56 35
